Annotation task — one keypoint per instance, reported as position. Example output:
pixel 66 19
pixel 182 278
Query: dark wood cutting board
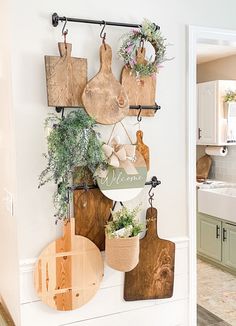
pixel 104 97
pixel 66 78
pixel 153 277
pixel 140 91
pixel 91 212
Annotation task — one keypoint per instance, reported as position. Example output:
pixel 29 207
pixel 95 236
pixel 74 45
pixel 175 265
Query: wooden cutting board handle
pixel 105 58
pixel 142 148
pixel 65 49
pixel 151 217
pixel 141 56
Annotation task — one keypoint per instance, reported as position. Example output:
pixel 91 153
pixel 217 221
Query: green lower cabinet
pixel 216 241
pixel 229 245
pixel 209 236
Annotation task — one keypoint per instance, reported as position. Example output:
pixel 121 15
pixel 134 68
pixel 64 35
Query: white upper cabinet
pixel 212 122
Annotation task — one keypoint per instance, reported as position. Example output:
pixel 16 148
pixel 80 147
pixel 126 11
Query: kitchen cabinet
pixel 209 236
pixel 211 121
pixel 229 245
pixel 216 241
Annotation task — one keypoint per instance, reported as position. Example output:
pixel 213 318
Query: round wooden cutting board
pixel 120 186
pixel 104 97
pixel 69 271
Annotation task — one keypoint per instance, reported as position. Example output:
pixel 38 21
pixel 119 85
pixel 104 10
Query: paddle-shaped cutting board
pixel 142 148
pixel 140 91
pixel 203 167
pixel 66 78
pixel 91 212
pixel 153 277
pixel 104 97
pixel 69 271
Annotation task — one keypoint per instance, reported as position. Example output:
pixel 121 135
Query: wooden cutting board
pixel 104 97
pixel 153 277
pixel 203 167
pixel 66 78
pixel 91 212
pixel 142 148
pixel 140 91
pixel 69 271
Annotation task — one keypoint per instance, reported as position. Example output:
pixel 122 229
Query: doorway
pixel 209 40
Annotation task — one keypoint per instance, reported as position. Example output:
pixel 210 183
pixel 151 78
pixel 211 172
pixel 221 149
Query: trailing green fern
pixel 72 143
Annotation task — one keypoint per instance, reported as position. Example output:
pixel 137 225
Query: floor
pixel 206 318
pixel 217 293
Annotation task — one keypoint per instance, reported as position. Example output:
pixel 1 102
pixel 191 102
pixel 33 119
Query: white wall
pixel 223 168
pixel 33 37
pixel 9 269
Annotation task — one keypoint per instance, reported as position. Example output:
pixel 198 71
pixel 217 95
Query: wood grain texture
pixel 104 97
pixel 69 271
pixel 142 148
pixel 5 317
pixel 91 212
pixel 153 277
pixel 140 91
pixel 66 78
pixel 203 167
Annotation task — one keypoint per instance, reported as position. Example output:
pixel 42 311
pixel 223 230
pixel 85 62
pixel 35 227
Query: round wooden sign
pixel 120 186
pixel 69 271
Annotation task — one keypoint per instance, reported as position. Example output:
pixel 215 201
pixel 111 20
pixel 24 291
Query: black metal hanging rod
pixel 132 107
pixel 56 19
pixel 153 182
pixel 145 107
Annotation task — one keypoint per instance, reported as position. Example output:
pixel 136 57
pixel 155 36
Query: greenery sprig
pixel 72 143
pixel 133 40
pixel 124 223
pixel 230 96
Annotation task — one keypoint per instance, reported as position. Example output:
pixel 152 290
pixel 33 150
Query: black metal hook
pixel 151 196
pixel 103 34
pixel 139 118
pixel 64 32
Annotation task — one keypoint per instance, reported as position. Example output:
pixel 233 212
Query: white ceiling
pixel 210 52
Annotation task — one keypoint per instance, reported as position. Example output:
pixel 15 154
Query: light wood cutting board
pixel 153 277
pixel 142 148
pixel 66 78
pixel 69 271
pixel 203 167
pixel 104 97
pixel 140 91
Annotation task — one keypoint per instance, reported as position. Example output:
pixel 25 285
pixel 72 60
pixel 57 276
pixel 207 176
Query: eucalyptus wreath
pixel 133 40
pixel 72 143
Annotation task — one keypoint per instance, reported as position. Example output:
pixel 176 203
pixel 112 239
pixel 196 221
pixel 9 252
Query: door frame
pixel 196 34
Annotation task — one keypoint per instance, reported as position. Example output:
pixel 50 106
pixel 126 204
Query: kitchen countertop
pixel 210 184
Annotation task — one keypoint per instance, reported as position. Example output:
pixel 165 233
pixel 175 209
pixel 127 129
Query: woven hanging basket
pixel 122 254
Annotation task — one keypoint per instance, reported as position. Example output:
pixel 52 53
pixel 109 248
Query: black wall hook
pixel 139 118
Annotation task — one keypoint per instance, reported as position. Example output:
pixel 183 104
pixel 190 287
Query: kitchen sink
pixel 218 202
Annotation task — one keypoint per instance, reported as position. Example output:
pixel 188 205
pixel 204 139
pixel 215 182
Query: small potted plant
pixel 122 239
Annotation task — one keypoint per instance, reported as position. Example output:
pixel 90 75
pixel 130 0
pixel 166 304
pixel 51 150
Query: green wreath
pixel 133 40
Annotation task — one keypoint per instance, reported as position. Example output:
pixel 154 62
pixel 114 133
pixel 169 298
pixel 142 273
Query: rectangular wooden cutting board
pixel 153 277
pixel 66 78
pixel 140 91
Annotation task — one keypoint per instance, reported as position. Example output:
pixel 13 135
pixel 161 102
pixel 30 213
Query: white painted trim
pixel 196 34
pixel 27 265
